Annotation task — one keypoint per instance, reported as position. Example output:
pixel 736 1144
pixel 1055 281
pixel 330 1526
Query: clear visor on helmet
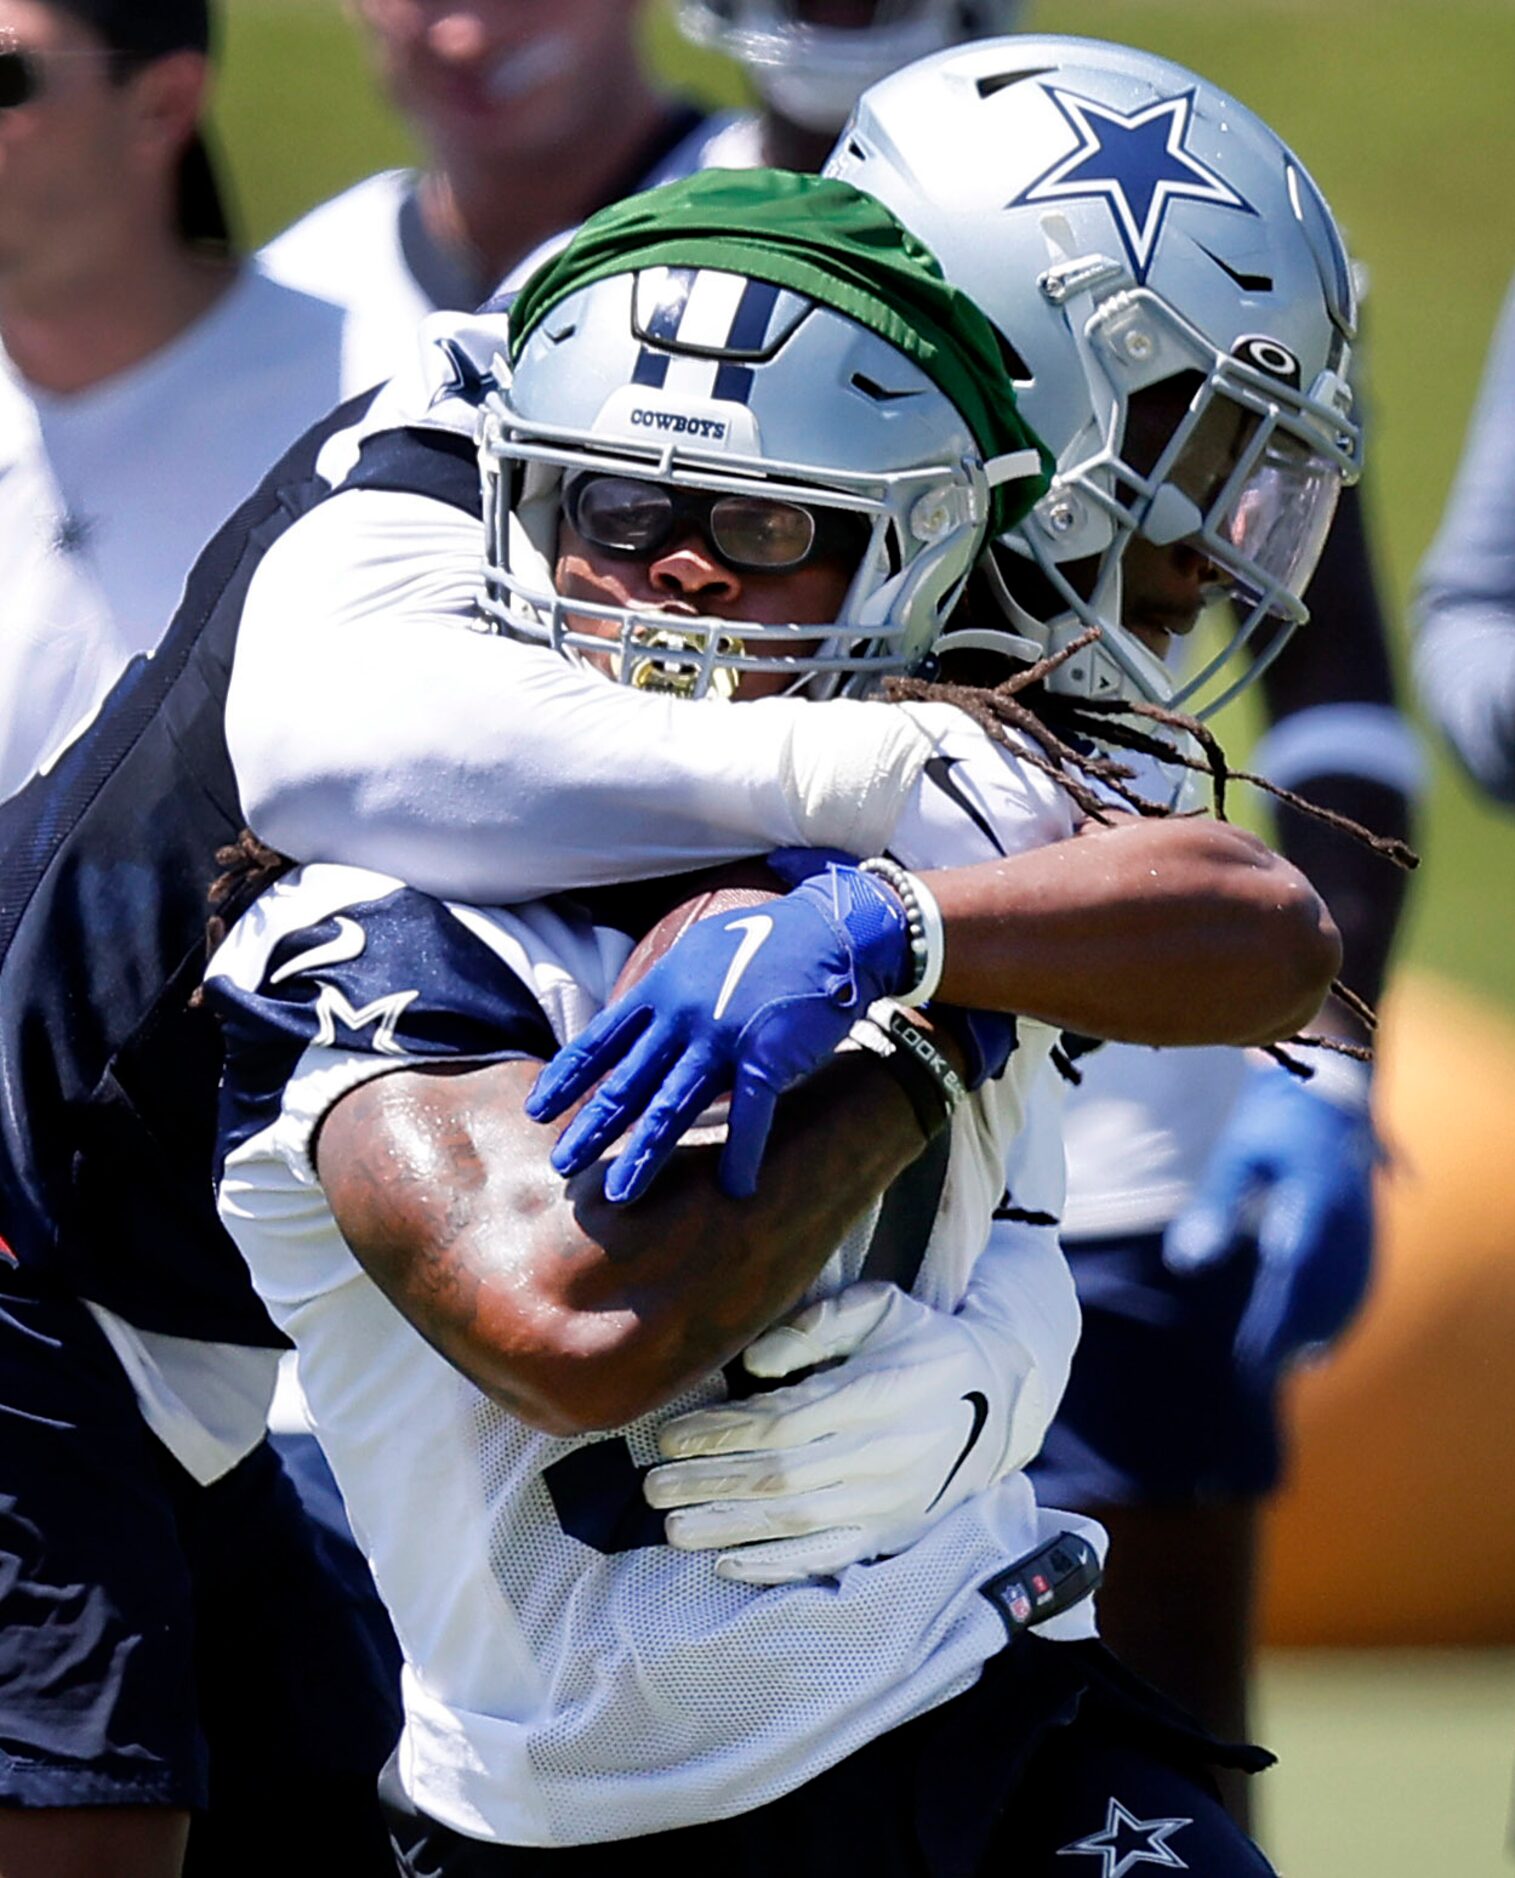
pixel 1264 496
pixel 847 32
pixel 1219 455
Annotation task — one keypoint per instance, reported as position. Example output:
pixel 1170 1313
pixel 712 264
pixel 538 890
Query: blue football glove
pixel 1292 1173
pixel 752 1002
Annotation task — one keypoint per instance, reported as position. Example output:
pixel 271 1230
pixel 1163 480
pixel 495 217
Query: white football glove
pixel 860 1458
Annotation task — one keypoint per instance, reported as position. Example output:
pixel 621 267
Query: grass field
pixel 1393 1766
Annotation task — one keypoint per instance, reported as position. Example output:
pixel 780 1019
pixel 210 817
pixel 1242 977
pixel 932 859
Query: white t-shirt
pixel 1139 1130
pixel 568 1677
pixel 107 495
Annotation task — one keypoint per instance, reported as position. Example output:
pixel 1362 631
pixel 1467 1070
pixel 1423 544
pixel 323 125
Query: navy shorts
pixel 1055 1760
pixel 1156 1413
pixel 161 1643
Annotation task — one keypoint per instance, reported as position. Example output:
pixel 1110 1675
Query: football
pixel 714 890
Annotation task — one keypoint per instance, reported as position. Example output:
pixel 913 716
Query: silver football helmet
pixel 1179 308
pixel 814 73
pixel 700 380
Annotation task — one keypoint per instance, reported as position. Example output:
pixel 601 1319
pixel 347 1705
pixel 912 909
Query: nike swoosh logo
pixel 754 931
pixel 979 1403
pixel 347 945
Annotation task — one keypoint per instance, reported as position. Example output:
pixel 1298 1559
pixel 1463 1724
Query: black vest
pixel 108 1077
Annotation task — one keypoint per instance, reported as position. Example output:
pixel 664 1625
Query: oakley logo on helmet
pixel 1137 162
pixel 1267 355
pixel 678 423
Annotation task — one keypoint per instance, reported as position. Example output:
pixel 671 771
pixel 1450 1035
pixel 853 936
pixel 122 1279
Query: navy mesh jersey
pixel 107 1076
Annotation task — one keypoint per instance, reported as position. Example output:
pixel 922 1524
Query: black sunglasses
pixel 23 74
pixel 751 534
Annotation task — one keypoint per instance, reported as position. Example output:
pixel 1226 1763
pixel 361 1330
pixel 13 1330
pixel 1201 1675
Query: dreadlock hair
pixel 1065 734
pixel 247 865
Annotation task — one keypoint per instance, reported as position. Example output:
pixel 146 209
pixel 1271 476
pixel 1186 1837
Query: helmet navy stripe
pixel 749 326
pixel 650 369
pixel 733 382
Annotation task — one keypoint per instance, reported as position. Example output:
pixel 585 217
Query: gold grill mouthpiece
pixel 678 678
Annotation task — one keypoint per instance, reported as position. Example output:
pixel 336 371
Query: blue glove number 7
pixel 752 1003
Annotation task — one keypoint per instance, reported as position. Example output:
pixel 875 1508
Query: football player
pixel 710 472
pixel 1220 1211
pixel 148 379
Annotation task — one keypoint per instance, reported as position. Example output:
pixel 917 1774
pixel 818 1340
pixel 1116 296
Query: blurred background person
pixel 530 116
pixel 809 61
pixel 170 1635
pixel 147 378
pixel 1465 650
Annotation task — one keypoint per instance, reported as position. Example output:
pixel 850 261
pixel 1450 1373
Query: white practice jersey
pixel 108 494
pixel 368 252
pixel 1140 1125
pixel 570 1678
pixel 353 251
pixel 1139 1130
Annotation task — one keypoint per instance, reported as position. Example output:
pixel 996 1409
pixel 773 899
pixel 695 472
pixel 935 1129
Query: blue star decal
pixel 1127 1841
pixel 464 379
pixel 1138 163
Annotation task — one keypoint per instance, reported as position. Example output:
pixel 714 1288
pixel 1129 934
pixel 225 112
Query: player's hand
pixel 864 1454
pixel 752 1002
pixel 1292 1174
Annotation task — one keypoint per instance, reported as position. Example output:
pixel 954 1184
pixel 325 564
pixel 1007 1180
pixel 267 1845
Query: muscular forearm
pixel 1177 932
pixel 571 1312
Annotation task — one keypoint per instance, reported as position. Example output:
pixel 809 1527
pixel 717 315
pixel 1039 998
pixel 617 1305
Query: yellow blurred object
pixel 1398 1522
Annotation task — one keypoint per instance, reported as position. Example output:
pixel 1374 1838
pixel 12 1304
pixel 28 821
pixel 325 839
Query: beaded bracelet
pixel 923 918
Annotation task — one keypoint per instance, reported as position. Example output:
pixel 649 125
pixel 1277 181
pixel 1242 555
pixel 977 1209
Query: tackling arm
pixel 368 724
pixel 575 1314
pixel 1184 931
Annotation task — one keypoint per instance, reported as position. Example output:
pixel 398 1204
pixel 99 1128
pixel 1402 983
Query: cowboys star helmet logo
pixel 1137 162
